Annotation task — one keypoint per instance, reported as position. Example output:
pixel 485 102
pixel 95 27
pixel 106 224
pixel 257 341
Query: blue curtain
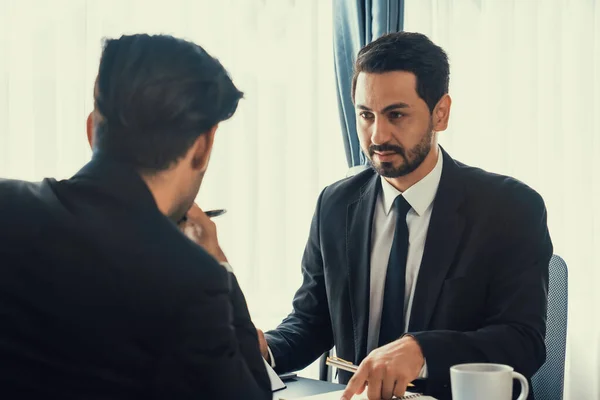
pixel 356 23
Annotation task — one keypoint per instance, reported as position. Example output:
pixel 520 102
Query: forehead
pixel 374 90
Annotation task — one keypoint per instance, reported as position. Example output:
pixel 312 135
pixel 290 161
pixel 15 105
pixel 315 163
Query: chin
pixel 389 170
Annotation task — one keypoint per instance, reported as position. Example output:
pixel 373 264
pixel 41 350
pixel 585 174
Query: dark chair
pixel 548 382
pixel 324 370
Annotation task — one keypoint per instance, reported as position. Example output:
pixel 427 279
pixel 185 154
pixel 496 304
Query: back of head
pixel 154 96
pixel 410 52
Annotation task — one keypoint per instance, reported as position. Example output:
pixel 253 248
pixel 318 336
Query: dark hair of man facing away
pixel 154 96
pixel 410 52
pixel 101 294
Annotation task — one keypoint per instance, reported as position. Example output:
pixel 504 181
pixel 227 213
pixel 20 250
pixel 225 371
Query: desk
pixel 299 387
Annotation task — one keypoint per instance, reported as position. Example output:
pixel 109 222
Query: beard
pixel 412 158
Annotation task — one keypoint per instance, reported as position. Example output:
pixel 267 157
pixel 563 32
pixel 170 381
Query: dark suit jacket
pixel 480 294
pixel 102 297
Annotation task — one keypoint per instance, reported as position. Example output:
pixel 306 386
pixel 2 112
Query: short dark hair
pixel 411 52
pixel 154 96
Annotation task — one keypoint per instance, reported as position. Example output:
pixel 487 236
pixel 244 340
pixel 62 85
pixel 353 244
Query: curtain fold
pixel 357 23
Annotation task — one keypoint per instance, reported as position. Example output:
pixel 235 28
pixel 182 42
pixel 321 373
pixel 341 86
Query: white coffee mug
pixel 485 381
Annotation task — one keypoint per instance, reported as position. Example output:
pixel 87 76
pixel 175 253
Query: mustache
pixel 386 147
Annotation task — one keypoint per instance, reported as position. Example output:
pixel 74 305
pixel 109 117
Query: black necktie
pixel 392 312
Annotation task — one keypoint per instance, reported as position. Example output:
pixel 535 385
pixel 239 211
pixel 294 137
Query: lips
pixel 385 156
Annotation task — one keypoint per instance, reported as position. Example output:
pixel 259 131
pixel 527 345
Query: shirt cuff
pixel 271 357
pixel 423 374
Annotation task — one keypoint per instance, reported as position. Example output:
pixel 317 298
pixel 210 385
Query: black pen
pixel 215 213
pixel 210 214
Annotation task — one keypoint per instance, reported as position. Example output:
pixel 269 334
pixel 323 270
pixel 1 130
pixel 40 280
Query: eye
pixel 396 115
pixel 366 115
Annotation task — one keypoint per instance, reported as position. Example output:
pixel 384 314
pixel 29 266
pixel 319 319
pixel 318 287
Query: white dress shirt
pixel 420 196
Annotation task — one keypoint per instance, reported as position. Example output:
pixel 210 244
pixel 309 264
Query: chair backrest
pixel 548 382
pixel 325 371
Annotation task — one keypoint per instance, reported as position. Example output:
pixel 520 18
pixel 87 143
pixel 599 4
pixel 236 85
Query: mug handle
pixel 524 385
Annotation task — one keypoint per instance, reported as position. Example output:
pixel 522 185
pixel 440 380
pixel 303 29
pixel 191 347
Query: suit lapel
pixel 359 222
pixel 443 237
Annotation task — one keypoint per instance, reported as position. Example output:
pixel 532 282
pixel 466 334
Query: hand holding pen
pixel 198 226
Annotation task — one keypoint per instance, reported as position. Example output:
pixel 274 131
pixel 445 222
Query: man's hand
pixel 264 347
pixel 203 231
pixel 388 370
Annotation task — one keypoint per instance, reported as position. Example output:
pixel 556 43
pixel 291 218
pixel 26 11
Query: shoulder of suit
pixel 157 240
pixel 492 188
pixel 480 186
pixel 349 187
pixel 17 194
pixel 10 188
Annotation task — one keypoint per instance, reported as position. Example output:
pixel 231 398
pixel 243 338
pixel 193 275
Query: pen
pixel 209 214
pixel 215 213
pixel 341 364
pixel 346 365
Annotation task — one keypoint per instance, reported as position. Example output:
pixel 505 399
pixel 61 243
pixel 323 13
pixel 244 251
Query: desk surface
pixel 300 387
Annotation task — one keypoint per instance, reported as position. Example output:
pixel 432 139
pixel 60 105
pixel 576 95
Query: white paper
pixel 276 383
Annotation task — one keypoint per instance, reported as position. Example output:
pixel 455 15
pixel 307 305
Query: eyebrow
pixel 386 109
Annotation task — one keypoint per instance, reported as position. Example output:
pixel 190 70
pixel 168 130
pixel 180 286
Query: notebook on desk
pixel 336 396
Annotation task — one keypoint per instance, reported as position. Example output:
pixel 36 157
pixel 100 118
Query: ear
pixel 202 148
pixel 90 129
pixel 441 113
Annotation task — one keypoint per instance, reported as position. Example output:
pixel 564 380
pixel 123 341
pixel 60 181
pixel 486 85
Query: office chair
pixel 548 382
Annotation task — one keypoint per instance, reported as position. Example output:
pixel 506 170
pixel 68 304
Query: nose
pixel 381 132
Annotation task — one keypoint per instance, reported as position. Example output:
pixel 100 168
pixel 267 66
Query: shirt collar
pixel 420 195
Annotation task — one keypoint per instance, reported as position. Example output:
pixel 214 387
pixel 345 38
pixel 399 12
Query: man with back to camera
pixel 101 294
pixel 420 262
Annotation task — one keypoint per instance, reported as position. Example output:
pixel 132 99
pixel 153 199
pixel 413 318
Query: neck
pixel 164 194
pixel 403 183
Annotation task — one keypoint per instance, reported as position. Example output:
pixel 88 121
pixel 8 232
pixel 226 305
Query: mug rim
pixel 465 368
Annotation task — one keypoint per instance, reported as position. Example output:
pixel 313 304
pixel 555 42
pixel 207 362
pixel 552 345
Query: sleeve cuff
pixel 271 358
